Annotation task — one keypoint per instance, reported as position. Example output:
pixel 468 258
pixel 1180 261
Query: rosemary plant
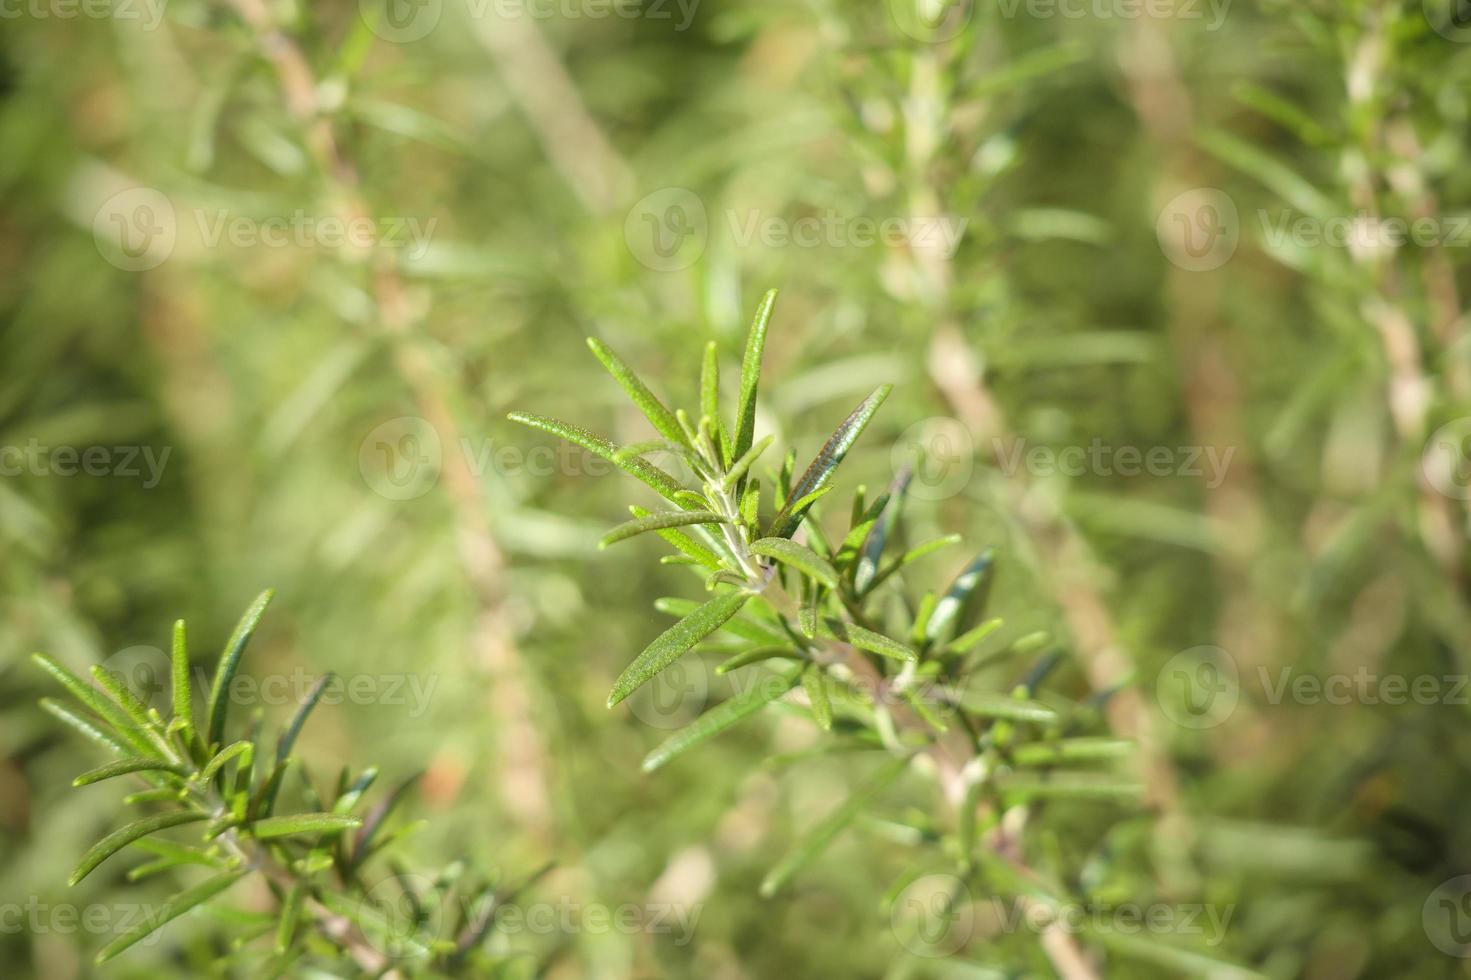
pixel 827 620
pixel 225 797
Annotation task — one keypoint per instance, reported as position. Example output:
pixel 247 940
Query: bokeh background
pixel 283 268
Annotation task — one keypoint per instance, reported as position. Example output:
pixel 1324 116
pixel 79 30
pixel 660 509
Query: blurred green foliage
pixel 1072 309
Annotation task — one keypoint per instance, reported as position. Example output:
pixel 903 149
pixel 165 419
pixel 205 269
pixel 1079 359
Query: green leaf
pixel 751 375
pixel 873 545
pixel 661 482
pixel 659 522
pixel 290 916
pixel 910 557
pixel 123 767
pixel 1081 749
pixel 864 639
pixel 987 705
pixel 219 697
pixel 742 465
pixel 124 698
pixel 352 794
pixel 675 641
pixel 969 584
pixel 828 460
pixel 123 836
pixel 814 682
pixel 755 655
pixel 90 697
pixel 740 626
pixel 816 840
pixel 83 725
pixel 710 403
pixel 800 557
pixel 970 638
pixel 721 717
pixel 170 910
pixel 183 697
pixel 242 748
pixel 292 730
pixel 654 410
pixel 684 543
pixel 302 823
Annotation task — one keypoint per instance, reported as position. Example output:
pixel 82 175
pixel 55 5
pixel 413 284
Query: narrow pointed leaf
pixel 970 638
pixel 755 655
pixel 242 748
pixel 985 705
pixel 742 465
pixel 363 841
pixel 654 410
pixel 302 823
pixel 660 481
pixel 288 736
pixel 1081 749
pixel 83 725
pixel 290 916
pixel 659 522
pixel 864 639
pixel 684 543
pixel 92 698
pixel 170 910
pixel 816 840
pixel 123 767
pixel 721 717
pixel 814 682
pixel 969 585
pixel 123 836
pixel 676 641
pixel 745 430
pixel 873 545
pixel 741 626
pixel 828 459
pixel 219 697
pixel 183 697
pixel 797 556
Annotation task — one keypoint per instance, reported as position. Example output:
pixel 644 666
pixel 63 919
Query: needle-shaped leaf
pixel 103 707
pixel 183 697
pixel 123 767
pixel 722 716
pixel 828 459
pixel 219 696
pixel 81 724
pixel 683 542
pixel 303 823
pixel 756 654
pixel 660 481
pixel 797 556
pixel 745 430
pixel 873 546
pixel 968 640
pixel 292 730
pixel 817 839
pixel 741 626
pixel 968 588
pixel 170 910
pixel 1086 748
pixel 710 402
pixel 654 410
pixel 742 465
pixel 814 682
pixel 990 705
pixel 659 522
pixel 123 836
pixel 242 749
pixel 676 641
pixel 864 639
pixel 290 916
pixel 350 795
pixel 363 840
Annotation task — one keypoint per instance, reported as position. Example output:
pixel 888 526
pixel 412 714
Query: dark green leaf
pixel 675 641
pixel 288 736
pixel 968 589
pixel 800 557
pixel 745 431
pixel 123 836
pixel 721 717
pixel 123 767
pixel 219 698
pixel 828 459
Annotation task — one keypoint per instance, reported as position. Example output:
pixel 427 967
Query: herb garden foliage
pixel 827 620
pixel 224 797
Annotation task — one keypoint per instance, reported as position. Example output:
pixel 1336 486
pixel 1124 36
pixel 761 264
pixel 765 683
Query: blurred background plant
pixel 283 269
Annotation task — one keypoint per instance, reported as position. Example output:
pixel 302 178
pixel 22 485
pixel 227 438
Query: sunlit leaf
pixel 676 641
pixel 797 556
pixel 660 481
pixel 658 522
pixel 123 836
pixel 828 459
pixel 721 717
pixel 219 698
pixel 654 410
pixel 173 908
pixel 745 430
